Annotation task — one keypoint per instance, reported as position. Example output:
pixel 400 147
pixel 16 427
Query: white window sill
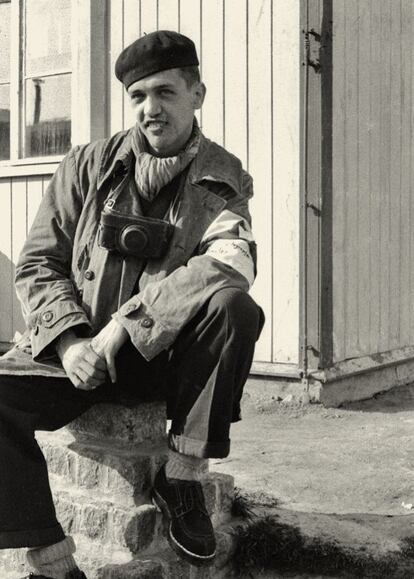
pixel 30 166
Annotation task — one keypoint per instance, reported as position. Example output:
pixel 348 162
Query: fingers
pixel 86 377
pixel 95 358
pixel 110 363
pixel 93 371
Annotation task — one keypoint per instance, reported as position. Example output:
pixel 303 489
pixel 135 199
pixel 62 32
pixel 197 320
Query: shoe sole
pixel 198 560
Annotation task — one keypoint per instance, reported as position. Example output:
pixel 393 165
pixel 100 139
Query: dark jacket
pixel 64 279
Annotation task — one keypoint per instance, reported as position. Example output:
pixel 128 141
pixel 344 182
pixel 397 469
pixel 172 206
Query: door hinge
pixel 312 48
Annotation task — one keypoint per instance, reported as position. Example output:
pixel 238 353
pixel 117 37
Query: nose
pixel 152 106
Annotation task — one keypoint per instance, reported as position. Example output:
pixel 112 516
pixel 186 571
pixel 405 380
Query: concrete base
pixel 347 381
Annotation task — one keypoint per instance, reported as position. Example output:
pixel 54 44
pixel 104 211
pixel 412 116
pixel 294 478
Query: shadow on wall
pixel 11 318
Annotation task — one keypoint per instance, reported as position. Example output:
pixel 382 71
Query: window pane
pixel 4 121
pixel 47 37
pixel 48 126
pixel 5 42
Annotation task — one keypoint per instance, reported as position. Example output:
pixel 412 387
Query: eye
pixel 137 97
pixel 167 92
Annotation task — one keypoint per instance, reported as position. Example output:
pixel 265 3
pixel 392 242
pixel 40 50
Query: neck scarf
pixel 153 173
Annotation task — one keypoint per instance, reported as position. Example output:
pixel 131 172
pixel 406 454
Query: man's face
pixel 164 108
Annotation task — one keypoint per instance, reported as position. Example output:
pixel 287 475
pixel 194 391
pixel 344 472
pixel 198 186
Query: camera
pixel 143 237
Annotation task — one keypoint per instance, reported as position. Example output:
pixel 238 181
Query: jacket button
pixel 89 275
pixel 147 323
pixel 47 316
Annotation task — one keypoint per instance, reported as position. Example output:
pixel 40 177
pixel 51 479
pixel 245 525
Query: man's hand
pixel 84 367
pixel 107 344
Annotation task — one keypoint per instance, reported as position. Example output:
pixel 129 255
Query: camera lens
pixel 133 239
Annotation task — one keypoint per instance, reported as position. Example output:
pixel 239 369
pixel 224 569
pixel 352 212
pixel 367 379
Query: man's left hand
pixel 107 344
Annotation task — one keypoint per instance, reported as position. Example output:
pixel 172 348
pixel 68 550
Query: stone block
pixel 100 520
pixel 142 423
pixel 122 472
pixel 218 491
pixel 142 569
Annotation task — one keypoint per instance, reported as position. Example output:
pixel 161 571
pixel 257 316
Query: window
pixel 47 77
pixel 38 124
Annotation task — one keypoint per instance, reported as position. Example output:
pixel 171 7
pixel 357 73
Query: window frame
pixel 88 79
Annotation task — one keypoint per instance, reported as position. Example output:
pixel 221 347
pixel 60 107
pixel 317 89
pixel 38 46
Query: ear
pixel 199 95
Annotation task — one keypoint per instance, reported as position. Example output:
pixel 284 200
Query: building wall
pixel 249 52
pixel 19 197
pixel 372 160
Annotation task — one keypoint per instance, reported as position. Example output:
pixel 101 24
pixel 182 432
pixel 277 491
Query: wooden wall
pixel 249 52
pixel 373 197
pixel 19 198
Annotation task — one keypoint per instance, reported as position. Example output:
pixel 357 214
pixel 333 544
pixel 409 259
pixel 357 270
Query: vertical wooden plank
pixel 351 176
pixel 285 114
pixel 168 14
pixel 132 31
pixel 116 41
pixel 88 91
pixel 260 158
pixel 149 16
pixel 34 196
pixel 363 185
pixel 190 24
pixel 410 82
pixel 384 303
pixel 375 174
pixel 46 181
pixel 314 198
pixel 395 176
pixel 190 21
pixel 6 264
pixel 212 69
pixel 19 227
pixel 235 70
pixel 406 184
pixel 338 178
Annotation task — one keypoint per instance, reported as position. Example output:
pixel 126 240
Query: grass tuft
pixel 266 544
pixel 407 547
pixel 241 506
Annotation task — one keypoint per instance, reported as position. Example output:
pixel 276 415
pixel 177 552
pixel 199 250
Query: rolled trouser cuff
pixel 200 448
pixel 31 537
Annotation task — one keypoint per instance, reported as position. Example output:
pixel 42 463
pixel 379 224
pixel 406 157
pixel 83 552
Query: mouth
pixel 155 125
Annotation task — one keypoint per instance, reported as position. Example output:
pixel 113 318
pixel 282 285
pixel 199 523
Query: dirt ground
pixel 357 459
pixel 344 476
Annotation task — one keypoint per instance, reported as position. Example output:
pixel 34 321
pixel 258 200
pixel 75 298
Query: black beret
pixel 153 53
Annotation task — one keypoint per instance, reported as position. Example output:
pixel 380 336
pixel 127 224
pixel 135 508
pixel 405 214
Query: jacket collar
pixel 212 163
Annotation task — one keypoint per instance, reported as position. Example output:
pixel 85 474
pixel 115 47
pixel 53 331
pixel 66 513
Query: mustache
pixel 155 121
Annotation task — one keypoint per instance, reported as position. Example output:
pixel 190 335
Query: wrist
pixel 64 341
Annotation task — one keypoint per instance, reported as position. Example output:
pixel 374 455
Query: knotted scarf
pixel 153 173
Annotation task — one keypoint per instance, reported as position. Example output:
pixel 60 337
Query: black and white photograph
pixel 206 265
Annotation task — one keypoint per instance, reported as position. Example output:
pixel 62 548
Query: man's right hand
pixel 85 369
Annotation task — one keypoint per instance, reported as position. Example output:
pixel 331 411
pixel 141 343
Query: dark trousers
pixel 202 379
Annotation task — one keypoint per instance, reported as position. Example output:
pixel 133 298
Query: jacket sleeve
pixel 43 281
pixel 225 258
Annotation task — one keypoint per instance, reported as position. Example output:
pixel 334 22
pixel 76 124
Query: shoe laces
pixel 193 498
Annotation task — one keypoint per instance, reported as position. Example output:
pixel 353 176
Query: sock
pixel 54 560
pixel 185 467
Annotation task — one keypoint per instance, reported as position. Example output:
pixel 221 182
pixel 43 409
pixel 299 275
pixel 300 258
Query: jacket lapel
pixel 197 209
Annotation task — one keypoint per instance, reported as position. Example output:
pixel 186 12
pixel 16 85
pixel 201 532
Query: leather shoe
pixel 190 532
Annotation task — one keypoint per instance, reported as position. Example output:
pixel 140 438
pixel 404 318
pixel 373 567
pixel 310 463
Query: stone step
pixel 142 423
pixel 121 475
pixel 132 526
pixel 103 560
pixel 119 472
